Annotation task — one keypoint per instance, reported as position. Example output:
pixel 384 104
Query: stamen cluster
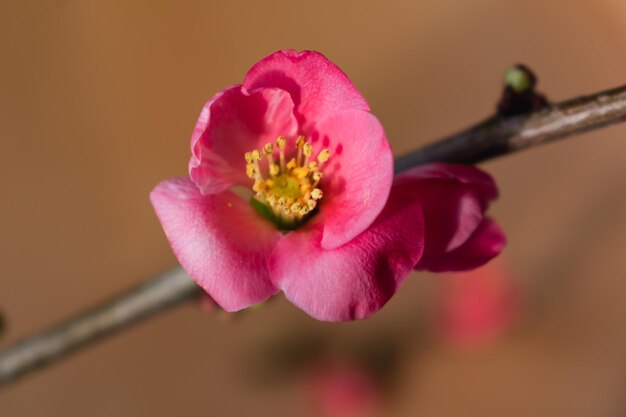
pixel 288 188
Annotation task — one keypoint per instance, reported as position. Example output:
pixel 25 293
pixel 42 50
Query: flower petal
pixel 357 279
pixel 219 240
pixel 232 123
pixel 484 244
pixel 317 86
pixel 478 180
pixel 454 199
pixel 357 177
pixel 452 212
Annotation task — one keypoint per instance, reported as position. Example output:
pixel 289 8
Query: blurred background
pixel 97 103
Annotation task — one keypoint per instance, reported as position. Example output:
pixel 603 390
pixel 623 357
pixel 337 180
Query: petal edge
pixel 208 236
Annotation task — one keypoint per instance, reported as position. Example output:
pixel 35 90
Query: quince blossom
pixel 323 220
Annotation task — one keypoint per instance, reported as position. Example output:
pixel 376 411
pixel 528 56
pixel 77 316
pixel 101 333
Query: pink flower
pixel 338 389
pixel 454 198
pixel 479 306
pixel 321 221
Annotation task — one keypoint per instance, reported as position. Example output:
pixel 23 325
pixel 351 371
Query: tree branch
pixel 498 136
pixel 153 296
pixel 494 137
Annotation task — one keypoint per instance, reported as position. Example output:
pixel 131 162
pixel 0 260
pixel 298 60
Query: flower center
pixel 287 189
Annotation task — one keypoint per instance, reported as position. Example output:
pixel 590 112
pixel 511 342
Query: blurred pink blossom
pixel 478 307
pixel 339 389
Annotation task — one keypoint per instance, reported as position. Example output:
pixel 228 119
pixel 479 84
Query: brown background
pixel 97 102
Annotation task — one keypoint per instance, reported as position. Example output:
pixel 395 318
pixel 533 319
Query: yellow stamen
pixel 250 170
pixel 317 194
pixel 317 177
pixel 323 156
pixel 274 170
pixel 299 145
pixel 254 156
pixel 290 189
pixel 295 207
pixel 268 150
pixel 308 150
pixel 259 186
pixel 281 146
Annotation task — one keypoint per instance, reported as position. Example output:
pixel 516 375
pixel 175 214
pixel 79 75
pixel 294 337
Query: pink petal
pixel 357 177
pixel 478 180
pixel 454 199
pixel 219 240
pixel 484 244
pixel 232 123
pixel 357 279
pixel 317 86
pixel 452 212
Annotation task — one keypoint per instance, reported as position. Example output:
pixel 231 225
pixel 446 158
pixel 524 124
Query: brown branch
pixel 153 296
pixel 494 137
pixel 499 136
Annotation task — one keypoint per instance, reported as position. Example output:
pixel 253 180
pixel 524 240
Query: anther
pixel 259 186
pixel 281 146
pixel 317 176
pixel 317 194
pixel 250 170
pixel 323 156
pixel 295 207
pixel 308 149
